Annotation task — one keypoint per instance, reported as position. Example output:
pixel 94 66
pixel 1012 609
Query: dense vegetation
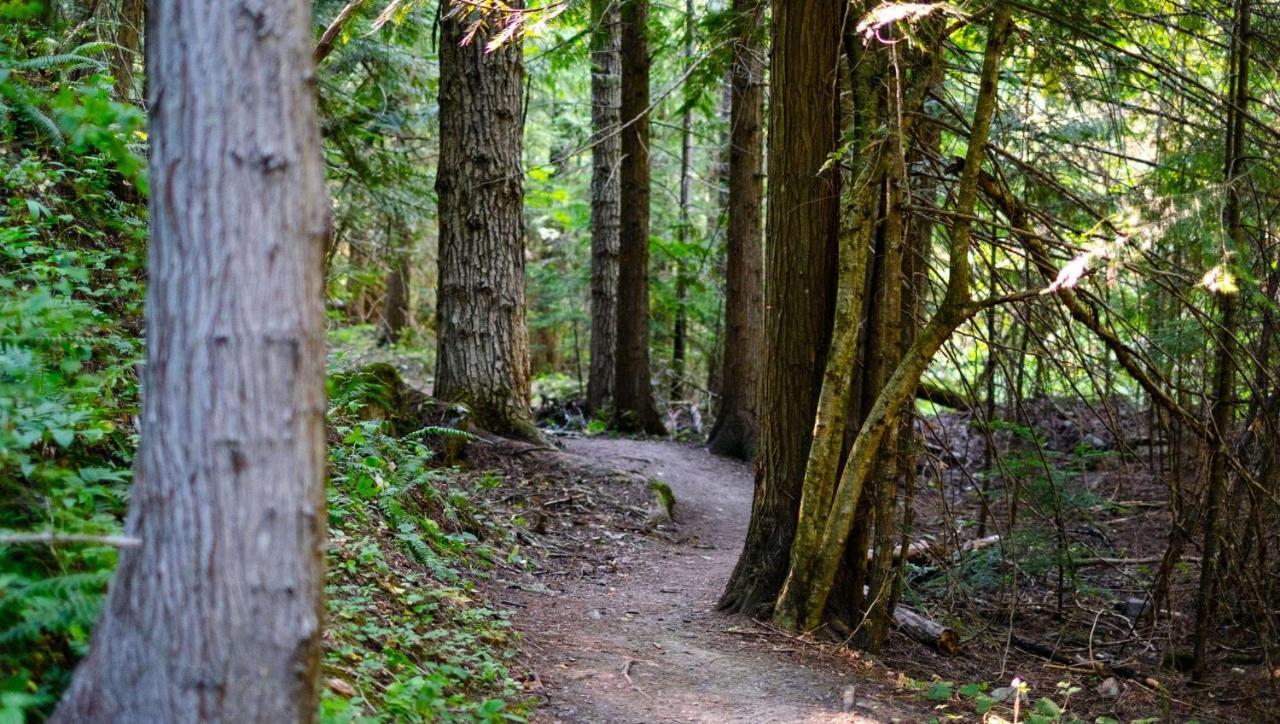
pixel 1019 215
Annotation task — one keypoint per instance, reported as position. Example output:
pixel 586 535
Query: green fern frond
pixel 63 60
pixel 38 119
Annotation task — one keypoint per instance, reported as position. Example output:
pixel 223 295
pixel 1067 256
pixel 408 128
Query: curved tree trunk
pixel 482 357
pixel 217 615
pixel 606 187
pixel 634 409
pixel 736 427
pixel 799 265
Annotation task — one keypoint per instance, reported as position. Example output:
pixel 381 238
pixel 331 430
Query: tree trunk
pixel 634 409
pixel 680 333
pixel 816 558
pixel 1223 409
pixel 800 259
pixel 606 158
pixel 217 615
pixel 395 315
pixel 128 42
pixel 482 357
pixel 736 427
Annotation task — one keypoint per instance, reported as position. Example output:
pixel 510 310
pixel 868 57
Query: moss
pixel 665 498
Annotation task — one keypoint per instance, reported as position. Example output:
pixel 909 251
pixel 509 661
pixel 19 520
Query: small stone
pixel 1109 688
pixel 848 698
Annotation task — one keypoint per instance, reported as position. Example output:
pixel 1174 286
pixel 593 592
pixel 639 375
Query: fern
pixel 38 119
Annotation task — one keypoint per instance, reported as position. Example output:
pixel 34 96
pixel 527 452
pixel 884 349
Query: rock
pixel 1109 688
pixel 1096 442
pixel 848 698
pixel 1132 608
pixel 663 507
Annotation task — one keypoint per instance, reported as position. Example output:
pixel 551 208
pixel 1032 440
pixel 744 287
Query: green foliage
pixel 410 638
pixel 71 233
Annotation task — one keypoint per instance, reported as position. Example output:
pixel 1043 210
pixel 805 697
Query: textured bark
pixel 813 569
pixel 482 357
pixel 634 409
pixel 800 257
pixel 216 617
pixel 606 189
pixel 736 427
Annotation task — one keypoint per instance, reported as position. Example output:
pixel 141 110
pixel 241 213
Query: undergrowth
pixel 409 638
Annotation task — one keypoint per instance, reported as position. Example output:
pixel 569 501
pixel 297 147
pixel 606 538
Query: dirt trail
pixel 645 644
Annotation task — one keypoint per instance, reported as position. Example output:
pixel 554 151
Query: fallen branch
pixel 1094 665
pixel 330 35
pixel 51 538
pixel 926 630
pixel 925 551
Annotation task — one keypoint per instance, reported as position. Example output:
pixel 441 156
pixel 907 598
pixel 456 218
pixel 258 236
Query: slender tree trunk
pixel 680 333
pixel 1223 409
pixel 634 408
pixel 395 315
pixel 217 615
pixel 606 186
pixel 128 40
pixel 800 258
pixel 482 357
pixel 736 427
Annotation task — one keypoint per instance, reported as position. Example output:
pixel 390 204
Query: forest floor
pixel 638 639
pixel 618 612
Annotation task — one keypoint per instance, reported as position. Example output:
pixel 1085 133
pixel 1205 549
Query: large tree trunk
pixel 736 426
pixel 606 188
pixel 634 409
pixel 816 557
pixel 482 357
pixel 799 266
pixel 217 615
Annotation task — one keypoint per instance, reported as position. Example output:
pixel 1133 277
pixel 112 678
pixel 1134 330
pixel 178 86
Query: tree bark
pixel 482 357
pixel 815 560
pixel 736 427
pixel 634 408
pixel 216 616
pixel 606 187
pixel 800 258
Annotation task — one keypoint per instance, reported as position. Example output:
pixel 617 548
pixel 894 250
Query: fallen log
pixel 926 630
pixel 939 395
pixel 932 550
pixel 1097 665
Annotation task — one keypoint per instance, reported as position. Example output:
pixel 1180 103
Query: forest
pixel 626 361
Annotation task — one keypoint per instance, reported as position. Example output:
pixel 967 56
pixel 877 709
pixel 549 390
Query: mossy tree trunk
pixel 800 256
pixel 817 555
